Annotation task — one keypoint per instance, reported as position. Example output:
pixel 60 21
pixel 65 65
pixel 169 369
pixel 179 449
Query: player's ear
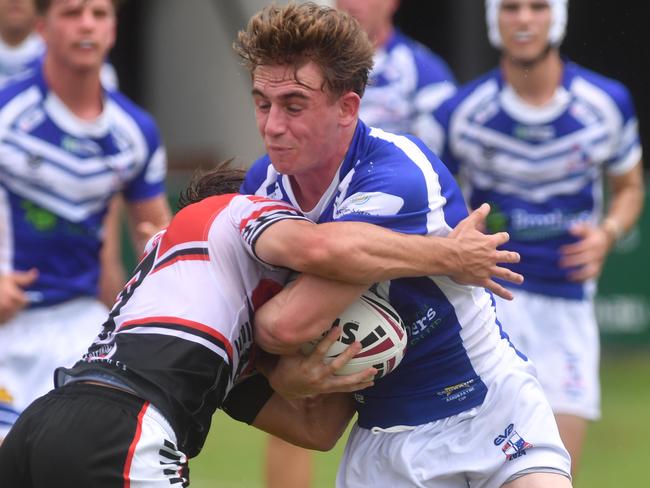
pixel 349 108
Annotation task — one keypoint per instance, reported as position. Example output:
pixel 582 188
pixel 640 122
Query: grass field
pixel 617 452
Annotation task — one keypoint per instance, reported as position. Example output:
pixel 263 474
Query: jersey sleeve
pixel 435 84
pixel 408 190
pixel 440 126
pixel 150 181
pixel 627 151
pixel 253 215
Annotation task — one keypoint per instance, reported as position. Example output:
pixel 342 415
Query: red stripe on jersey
pixel 193 222
pixel 183 257
pixel 254 215
pixel 136 437
pixel 186 323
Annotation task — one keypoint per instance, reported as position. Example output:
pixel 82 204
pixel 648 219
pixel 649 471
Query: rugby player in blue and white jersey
pixel 20 46
pixel 408 81
pixel 534 138
pixel 67 146
pixel 464 407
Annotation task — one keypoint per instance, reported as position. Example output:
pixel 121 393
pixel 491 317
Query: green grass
pixel 617 453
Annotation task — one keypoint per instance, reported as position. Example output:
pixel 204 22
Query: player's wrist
pixel 613 229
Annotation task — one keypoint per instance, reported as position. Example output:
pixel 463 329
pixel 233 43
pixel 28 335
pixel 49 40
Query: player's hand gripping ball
pixel 373 322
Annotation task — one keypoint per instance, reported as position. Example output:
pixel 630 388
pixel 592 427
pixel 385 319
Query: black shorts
pixel 84 435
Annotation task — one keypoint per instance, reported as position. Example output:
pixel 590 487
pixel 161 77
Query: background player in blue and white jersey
pixel 178 343
pixel 407 83
pixel 67 147
pixel 464 407
pixel 535 138
pixel 20 46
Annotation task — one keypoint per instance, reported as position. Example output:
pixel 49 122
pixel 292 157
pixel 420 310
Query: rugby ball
pixel 374 323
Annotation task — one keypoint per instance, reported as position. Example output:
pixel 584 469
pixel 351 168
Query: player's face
pixel 524 27
pixel 17 15
pixel 297 119
pixel 373 15
pixel 79 33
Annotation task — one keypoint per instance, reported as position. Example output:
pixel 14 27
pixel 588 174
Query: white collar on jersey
pixel 69 122
pixel 524 112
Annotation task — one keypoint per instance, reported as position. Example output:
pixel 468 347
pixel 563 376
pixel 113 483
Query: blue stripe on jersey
pixel 396 182
pixel 59 174
pixel 540 168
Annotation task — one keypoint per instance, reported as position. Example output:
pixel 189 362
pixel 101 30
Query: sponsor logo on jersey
pixel 5 396
pixel 30 119
pixel 79 147
pixel 422 325
pixel 370 203
pixel 526 226
pixel 457 392
pixel 514 445
pixel 534 132
pixel 41 219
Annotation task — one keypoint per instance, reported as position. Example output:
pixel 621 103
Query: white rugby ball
pixel 374 323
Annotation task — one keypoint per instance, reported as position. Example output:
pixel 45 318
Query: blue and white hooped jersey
pixel 541 168
pixel 407 83
pixel 57 175
pixel 455 342
pixel 19 60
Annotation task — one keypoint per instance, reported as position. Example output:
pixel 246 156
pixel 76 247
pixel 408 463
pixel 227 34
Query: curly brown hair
pixel 295 34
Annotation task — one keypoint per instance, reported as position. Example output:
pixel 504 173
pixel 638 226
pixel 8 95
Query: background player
pixel 460 377
pixel 66 147
pixel 406 84
pixel 178 343
pixel 534 138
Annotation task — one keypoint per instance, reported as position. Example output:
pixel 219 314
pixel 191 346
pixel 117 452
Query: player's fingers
pixel 508 257
pixel 322 347
pixel 507 275
pixel 501 238
pixel 342 359
pixel 499 290
pixel 25 278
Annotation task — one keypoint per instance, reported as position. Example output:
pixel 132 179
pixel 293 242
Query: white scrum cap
pixel 558 21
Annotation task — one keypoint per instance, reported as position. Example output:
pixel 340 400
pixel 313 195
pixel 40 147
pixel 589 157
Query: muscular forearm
pixel 315 423
pixel 360 253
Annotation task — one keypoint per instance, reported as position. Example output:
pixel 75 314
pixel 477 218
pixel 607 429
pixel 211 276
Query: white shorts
pixel 37 341
pixel 511 434
pixel 560 337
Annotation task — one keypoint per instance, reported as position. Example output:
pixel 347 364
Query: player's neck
pixel 80 91
pixel 14 38
pixel 310 186
pixel 537 82
pixel 382 35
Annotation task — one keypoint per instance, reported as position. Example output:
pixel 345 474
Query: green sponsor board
pixel 623 300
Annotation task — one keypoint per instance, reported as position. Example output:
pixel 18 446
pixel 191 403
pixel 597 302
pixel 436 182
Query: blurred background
pixel 175 59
